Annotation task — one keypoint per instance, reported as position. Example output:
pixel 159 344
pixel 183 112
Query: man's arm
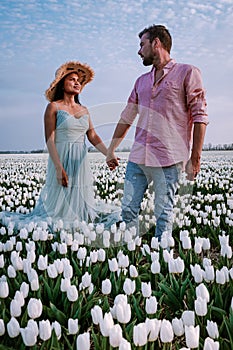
pixel 118 136
pixel 194 163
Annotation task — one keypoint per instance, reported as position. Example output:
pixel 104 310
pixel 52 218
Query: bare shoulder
pixel 50 110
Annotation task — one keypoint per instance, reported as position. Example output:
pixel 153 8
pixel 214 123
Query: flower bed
pixel 61 291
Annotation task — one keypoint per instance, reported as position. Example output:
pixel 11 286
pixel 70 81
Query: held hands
pixel 112 161
pixel 192 168
pixel 62 177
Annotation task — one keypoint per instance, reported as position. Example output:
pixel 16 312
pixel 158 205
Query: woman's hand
pixel 62 177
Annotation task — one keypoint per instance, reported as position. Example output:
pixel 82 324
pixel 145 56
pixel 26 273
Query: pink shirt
pixel 167 111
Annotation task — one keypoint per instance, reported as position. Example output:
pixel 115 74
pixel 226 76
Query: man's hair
pixel 158 31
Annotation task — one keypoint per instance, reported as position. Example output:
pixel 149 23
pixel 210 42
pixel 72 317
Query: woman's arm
pixel 95 140
pixel 50 126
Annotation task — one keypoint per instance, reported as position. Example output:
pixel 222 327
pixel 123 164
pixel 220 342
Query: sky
pixel 37 36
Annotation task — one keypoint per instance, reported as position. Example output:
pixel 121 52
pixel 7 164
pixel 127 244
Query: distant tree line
pixel 219 147
pixel 206 147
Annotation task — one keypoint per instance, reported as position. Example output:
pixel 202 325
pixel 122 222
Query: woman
pixel 68 194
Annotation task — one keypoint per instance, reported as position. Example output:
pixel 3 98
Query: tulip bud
pixel 96 314
pixel 212 329
pixel 192 336
pixel 146 289
pixel 15 308
pixel 140 334
pixel 86 280
pixel 115 336
pixel 210 344
pixel 34 308
pixel 83 341
pixel 106 286
pixel 129 286
pixel 13 328
pixel 123 312
pixel 113 264
pixel 166 331
pixel 153 328
pixel 73 326
pixel 188 318
pixel 2 327
pixel 106 324
pixel 72 293
pixel 4 288
pixel 45 330
pixel 202 291
pixel 42 262
pixel 124 345
pixel 133 271
pixel 178 327
pixel 151 305
pixel 57 329
pixel 29 336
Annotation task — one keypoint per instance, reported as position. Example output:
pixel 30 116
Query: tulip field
pixel 103 289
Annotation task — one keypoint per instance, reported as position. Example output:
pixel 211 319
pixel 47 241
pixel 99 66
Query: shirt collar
pixel 168 66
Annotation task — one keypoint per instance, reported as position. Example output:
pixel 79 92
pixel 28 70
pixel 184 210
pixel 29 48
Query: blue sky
pixel 37 36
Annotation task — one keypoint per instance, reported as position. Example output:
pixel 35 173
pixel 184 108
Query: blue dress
pixel 75 203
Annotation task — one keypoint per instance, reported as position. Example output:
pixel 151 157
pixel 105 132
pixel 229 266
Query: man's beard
pixel 147 61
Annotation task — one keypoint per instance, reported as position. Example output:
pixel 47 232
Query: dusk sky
pixel 37 36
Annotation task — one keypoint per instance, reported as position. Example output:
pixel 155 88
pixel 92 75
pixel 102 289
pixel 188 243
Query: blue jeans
pixel 165 183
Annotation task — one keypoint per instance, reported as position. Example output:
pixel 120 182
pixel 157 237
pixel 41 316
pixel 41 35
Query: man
pixel 170 102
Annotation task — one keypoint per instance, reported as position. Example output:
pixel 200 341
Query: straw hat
pixel 84 71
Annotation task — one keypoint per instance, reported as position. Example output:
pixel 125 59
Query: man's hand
pixel 192 168
pixel 112 161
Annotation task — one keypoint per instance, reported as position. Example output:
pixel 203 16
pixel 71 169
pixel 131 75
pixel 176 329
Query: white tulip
pixel 129 286
pixel 96 314
pixel 65 284
pixel 146 289
pixel 140 334
pixel 72 293
pixel 115 336
pixel 178 326
pixel 153 329
pixel 52 271
pixel 210 344
pixel 155 267
pixel 4 288
pixel 212 329
pixel 101 255
pixel 15 308
pixel 188 318
pixel 68 271
pixel 86 280
pixel 2 327
pixel 83 341
pixel 166 332
pixel 200 306
pixel 133 271
pixel 24 288
pixel 34 308
pixel 2 262
pixel 11 271
pixel 45 330
pixel 202 291
pixel 106 324
pixel 42 262
pixel 124 345
pixel 13 328
pixel 106 286
pixel 73 326
pixel 123 312
pixel 113 264
pixel 192 335
pixel 151 305
pixel 57 329
pixel 29 336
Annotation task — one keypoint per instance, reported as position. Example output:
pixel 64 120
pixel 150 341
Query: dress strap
pixel 56 106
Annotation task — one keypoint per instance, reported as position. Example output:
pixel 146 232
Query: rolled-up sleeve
pixel 196 96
